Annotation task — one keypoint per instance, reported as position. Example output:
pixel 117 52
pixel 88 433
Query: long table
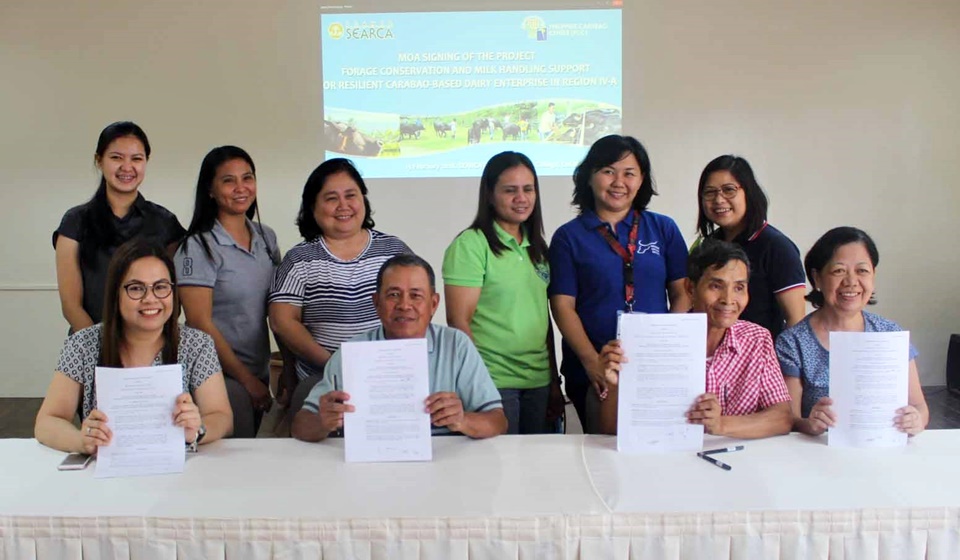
pixel 519 497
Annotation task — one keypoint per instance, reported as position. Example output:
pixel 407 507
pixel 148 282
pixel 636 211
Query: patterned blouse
pixel 197 357
pixel 801 355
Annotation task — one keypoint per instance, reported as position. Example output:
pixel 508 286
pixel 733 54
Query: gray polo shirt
pixel 454 366
pixel 241 282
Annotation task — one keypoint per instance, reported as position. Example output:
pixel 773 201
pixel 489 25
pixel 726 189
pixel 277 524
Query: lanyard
pixel 626 255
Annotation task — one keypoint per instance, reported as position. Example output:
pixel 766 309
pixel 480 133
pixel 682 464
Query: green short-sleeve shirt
pixel 511 321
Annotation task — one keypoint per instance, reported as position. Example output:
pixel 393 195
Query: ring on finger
pixel 89 429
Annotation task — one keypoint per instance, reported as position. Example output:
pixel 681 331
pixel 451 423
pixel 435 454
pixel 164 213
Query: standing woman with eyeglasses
pixel 89 234
pixel 139 329
pixel 733 208
pixel 225 268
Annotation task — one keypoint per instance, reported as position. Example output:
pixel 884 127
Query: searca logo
pixel 367 30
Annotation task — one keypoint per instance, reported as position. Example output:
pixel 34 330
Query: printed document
pixel 139 404
pixel 664 374
pixel 388 382
pixel 869 373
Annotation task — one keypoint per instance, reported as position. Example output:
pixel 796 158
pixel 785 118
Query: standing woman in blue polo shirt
pixel 616 256
pixel 225 268
pixel 89 234
pixel 495 276
pixel 733 208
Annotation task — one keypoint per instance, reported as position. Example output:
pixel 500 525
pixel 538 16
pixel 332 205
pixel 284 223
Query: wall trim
pixel 28 287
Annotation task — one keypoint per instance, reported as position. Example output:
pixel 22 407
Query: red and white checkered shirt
pixel 744 372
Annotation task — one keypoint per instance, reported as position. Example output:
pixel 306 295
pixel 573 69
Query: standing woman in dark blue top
pixel 733 208
pixel 90 233
pixel 616 256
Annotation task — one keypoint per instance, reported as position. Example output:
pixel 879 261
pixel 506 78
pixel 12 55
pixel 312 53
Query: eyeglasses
pixel 726 191
pixel 138 290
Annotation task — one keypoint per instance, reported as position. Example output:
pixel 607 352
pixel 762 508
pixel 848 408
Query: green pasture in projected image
pixel 576 121
pixel 514 122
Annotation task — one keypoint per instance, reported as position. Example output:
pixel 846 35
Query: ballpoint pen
pixel 710 459
pixel 722 450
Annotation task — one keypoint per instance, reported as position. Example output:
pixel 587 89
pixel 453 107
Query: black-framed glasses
pixel 138 290
pixel 726 191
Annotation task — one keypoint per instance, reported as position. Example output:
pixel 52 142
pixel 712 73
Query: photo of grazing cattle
pixel 410 130
pixel 384 135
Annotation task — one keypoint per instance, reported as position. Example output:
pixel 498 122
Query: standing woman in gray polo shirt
pixel 225 267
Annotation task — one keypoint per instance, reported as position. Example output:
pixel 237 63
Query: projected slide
pixel 436 94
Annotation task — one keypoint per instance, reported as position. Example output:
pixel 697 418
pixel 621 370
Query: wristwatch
pixel 192 447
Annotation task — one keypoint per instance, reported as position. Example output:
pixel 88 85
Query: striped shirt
pixel 744 372
pixel 335 297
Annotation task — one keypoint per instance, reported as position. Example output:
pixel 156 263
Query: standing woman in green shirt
pixel 495 276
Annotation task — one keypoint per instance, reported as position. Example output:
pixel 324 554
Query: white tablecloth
pixel 562 497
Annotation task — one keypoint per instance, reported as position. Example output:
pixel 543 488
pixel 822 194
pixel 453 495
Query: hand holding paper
pixel 706 411
pixel 332 407
pixel 187 416
pixel 95 432
pixel 611 356
pixel 446 410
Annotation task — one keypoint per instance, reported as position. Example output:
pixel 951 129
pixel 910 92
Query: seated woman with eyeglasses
pixel 733 208
pixel 139 329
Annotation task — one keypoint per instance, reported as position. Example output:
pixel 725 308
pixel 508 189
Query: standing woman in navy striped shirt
pixel 733 208
pixel 323 291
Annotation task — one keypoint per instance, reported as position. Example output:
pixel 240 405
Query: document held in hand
pixel 388 382
pixel 869 374
pixel 139 404
pixel 664 374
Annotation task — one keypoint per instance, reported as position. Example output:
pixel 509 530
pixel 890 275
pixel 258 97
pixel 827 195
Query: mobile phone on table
pixel 75 462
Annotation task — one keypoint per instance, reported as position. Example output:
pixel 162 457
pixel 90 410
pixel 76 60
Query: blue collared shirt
pixel 583 265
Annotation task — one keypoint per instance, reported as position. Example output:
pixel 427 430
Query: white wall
pixel 848 112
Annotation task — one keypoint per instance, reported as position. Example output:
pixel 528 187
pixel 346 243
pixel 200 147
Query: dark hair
pixel 714 253
pixel 205 209
pixel 607 151
pixel 309 228
pixel 406 259
pixel 822 251
pixel 757 202
pixel 486 214
pixel 96 224
pixel 112 330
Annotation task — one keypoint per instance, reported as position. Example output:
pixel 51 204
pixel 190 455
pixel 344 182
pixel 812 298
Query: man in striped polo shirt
pixel 463 398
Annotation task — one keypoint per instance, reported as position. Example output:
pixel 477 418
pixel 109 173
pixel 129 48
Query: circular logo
pixel 531 24
pixel 335 30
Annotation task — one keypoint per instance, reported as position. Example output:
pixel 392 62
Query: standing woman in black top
pixel 90 233
pixel 733 208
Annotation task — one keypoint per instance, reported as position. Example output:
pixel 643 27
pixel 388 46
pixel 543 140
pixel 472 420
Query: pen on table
pixel 710 459
pixel 722 450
